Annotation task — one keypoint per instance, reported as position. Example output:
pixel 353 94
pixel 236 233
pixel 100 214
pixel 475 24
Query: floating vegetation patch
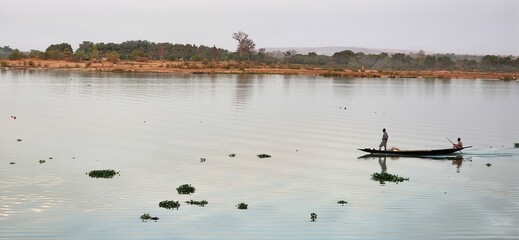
pixel 202 159
pixel 313 217
pixel 186 189
pixel 199 203
pixel 387 177
pixel 242 206
pixel 169 204
pixel 342 202
pixel 42 161
pixel 263 156
pixel 488 164
pixel 19 140
pixel 107 173
pixel 232 155
pixel 516 145
pixel 145 216
pixel 12 163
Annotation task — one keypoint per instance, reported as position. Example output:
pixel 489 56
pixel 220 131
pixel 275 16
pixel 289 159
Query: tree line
pixel 140 50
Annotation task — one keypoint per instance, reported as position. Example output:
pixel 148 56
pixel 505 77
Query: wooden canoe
pixel 433 152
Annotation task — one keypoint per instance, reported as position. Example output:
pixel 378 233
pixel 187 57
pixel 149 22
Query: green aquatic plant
pixel 145 216
pixel 263 155
pixel 242 206
pixel 107 173
pixel 313 217
pixel 42 161
pixel 167 204
pixel 199 203
pixel 488 164
pixel 186 189
pixel 387 177
pixel 342 202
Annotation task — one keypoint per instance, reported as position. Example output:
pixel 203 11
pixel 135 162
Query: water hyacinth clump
pixel 107 173
pixel 145 216
pixel 232 155
pixel 242 206
pixel 342 202
pixel 263 155
pixel 167 204
pixel 199 203
pixel 313 217
pixel 42 161
pixel 516 145
pixel 186 189
pixel 488 164
pixel 387 177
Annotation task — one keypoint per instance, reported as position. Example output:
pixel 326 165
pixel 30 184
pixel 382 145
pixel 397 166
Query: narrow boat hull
pixel 433 152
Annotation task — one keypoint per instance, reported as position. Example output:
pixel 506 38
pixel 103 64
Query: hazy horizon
pixel 461 27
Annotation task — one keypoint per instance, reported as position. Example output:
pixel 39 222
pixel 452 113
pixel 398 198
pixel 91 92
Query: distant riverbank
pixel 232 67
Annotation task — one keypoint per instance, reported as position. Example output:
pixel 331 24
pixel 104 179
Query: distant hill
pixel 329 51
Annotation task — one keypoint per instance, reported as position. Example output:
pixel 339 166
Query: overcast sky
pixel 444 26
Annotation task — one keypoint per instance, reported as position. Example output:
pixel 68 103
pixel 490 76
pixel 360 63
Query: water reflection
pixel 382 162
pixel 457 160
pixel 244 85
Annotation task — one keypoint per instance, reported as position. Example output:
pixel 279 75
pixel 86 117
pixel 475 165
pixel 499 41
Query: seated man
pixel 458 145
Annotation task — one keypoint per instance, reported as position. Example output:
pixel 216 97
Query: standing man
pixel 384 140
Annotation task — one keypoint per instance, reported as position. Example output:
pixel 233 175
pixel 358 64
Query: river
pixel 160 131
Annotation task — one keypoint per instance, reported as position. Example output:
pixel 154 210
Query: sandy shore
pixel 231 67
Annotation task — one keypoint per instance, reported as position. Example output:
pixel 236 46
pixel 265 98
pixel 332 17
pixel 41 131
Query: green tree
pixel 15 55
pixel 400 61
pixel 80 55
pixel 489 63
pixel 112 56
pixel 5 51
pixel 430 62
pixel 35 54
pixel 86 46
pixel 59 51
pixel 344 57
pixel 445 62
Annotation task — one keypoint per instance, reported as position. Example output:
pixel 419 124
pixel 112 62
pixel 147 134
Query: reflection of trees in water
pixel 244 83
pixel 343 86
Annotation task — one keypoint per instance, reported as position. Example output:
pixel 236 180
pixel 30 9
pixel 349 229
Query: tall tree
pixel 245 44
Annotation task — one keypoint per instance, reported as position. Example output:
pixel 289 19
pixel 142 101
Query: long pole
pixel 453 143
pixel 450 140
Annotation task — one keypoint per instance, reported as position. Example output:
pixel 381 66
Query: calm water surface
pixel 154 128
